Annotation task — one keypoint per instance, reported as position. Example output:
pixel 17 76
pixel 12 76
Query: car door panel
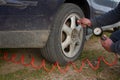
pixel 30 18
pixel 116 2
pixel 102 6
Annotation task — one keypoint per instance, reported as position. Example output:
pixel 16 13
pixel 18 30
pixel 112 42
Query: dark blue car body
pixel 38 18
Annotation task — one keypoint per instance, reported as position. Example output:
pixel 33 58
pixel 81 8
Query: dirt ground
pixel 11 71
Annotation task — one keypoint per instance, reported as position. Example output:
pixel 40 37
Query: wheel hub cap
pixel 74 35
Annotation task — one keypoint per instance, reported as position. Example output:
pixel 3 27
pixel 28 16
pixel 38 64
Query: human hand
pixel 84 22
pixel 106 44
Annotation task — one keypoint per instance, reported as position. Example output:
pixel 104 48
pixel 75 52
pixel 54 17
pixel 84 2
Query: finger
pixel 103 43
pixel 105 36
pixel 79 21
pixel 83 25
pixel 89 24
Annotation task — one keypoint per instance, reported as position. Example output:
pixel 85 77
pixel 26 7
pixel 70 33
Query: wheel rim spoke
pixel 73 22
pixel 78 28
pixel 72 48
pixel 66 42
pixel 67 29
pixel 78 41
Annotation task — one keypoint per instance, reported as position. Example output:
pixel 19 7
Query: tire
pixel 66 39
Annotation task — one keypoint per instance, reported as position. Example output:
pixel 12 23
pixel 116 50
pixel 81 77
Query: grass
pixel 24 75
pixel 92 50
pixel 93 57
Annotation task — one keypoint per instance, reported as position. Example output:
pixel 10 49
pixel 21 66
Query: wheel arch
pixel 83 4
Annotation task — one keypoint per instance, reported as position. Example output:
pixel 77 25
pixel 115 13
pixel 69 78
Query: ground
pixel 92 50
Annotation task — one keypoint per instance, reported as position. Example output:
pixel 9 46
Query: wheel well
pixel 83 4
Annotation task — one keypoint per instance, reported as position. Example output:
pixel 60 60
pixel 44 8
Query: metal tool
pixel 98 32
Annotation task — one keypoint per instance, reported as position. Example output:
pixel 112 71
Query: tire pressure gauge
pixel 97 31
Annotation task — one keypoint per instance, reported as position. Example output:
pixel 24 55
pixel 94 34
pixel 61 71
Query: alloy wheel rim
pixel 71 36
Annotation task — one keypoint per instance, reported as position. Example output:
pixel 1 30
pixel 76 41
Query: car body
pixel 36 24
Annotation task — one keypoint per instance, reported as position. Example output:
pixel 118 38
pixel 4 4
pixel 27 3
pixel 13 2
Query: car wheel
pixel 67 38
